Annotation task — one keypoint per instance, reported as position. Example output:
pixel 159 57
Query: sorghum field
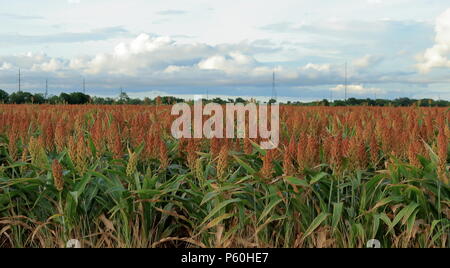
pixel 113 176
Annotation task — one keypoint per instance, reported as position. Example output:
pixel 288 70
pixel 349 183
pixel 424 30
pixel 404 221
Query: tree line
pixel 22 97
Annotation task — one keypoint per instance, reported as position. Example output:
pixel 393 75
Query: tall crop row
pixel 113 176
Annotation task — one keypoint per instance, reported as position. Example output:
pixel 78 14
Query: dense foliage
pixel 82 98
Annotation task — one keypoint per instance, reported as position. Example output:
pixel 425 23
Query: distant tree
pixel 123 98
pixel 3 96
pixel 64 97
pixel 403 102
pixel 38 99
pixel 272 101
pixel 75 98
pixel 339 103
pixel 79 98
pixel 97 100
pixel 158 100
pixel 147 101
pixel 21 97
pixel 381 102
pixel 172 100
pixel 442 103
pixel 167 100
pixel 102 101
pixel 135 101
pixel 219 101
pixel 325 102
pixel 352 101
pixel 109 101
pixel 54 100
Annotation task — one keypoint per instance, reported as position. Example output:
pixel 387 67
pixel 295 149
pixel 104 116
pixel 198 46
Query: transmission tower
pixel 46 88
pixel 20 88
pixel 274 91
pixel 345 81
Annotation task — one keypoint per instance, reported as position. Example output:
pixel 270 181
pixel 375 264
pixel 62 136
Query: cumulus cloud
pixel 52 65
pixel 161 63
pixel 317 67
pixel 148 54
pixel 5 66
pixel 161 55
pixel 366 61
pixel 438 55
pixel 150 60
pixel 357 89
pixel 231 63
pixel 25 61
pixel 143 54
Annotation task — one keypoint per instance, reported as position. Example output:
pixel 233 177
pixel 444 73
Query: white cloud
pixel 357 89
pixel 438 55
pixel 317 67
pixel 6 66
pixel 24 61
pixel 175 68
pixel 144 53
pixel 52 65
pixel 234 62
pixel 148 56
pixel 160 63
pixel 366 61
pixel 313 71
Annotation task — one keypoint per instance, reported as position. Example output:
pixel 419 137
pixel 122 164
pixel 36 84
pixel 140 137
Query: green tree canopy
pixel 21 97
pixel 3 96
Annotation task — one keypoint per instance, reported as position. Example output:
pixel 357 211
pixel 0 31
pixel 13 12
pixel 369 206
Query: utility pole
pixel 20 88
pixel 84 86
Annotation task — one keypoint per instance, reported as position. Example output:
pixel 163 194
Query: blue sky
pixel 229 48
